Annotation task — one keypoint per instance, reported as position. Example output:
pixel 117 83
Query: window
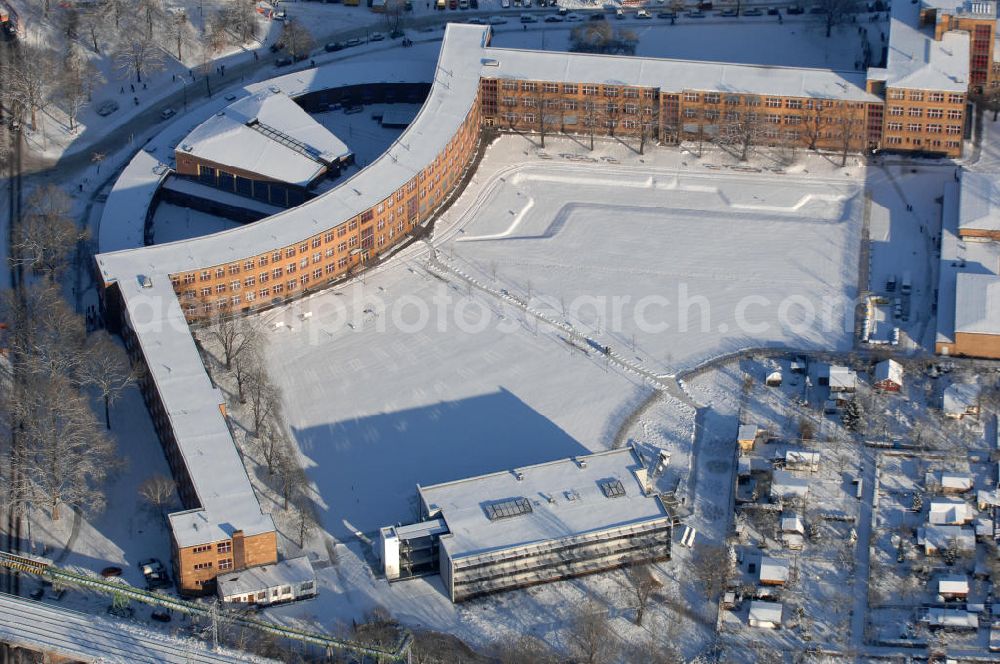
pixel 234 269
pixel 234 285
pixel 278 289
pixel 262 261
pixel 793 103
pixel 203 566
pixel 303 248
pixel 528 86
pixel 630 93
pixel 954 129
pixel 224 547
pixel 277 272
pixel 265 292
pixel 328 237
pixel 610 91
pixel 895 94
pixel 954 115
pixel 550 88
pixel 711 97
pixel 236 300
pixel 316 242
pixel 772 119
pixel 935 113
pixel 649 94
pixel 590 90
pixel 732 100
pixel 895 126
pixel 510 85
pixel 914 126
pixel 569 88
pixel 289 252
pixel 956 99
pixel 250 295
pixel 895 110
pixel 936 97
pixel 226 563
pixel 916 95
pixel 205 275
pixel 292 267
pixel 248 265
pixel 933 129
pixel 202 549
pixel 292 284
pixel 793 119
pixel 206 291
pixel 528 102
pixel 690 96
pixel 916 112
pixel 221 288
pixel 219 273
pixel 773 102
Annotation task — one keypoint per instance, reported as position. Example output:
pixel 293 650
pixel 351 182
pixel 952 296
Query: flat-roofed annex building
pixel 546 522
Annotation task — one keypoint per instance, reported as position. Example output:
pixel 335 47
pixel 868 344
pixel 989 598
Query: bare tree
pixel 643 585
pixel 245 363
pixel 263 397
pixel 115 10
pixel 29 76
pixel 305 522
pixel 849 128
pixel 69 456
pixel 743 130
pixel 151 12
pixel 590 637
pixel 298 40
pixel 271 444
pixel 92 27
pixel 241 19
pixel 47 233
pixel 235 335
pixel 712 568
pixel 137 53
pixel 394 11
pixel 158 490
pixel 652 651
pixel 180 32
pixel 76 84
pixel 105 366
pixel 591 116
pixel 836 12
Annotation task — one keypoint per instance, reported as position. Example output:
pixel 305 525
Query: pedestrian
pixel 255 56
pixel 81 187
pixel 144 86
pixel 136 100
pixel 132 86
pixel 191 73
pixel 173 78
pixel 123 89
pixel 525 26
pixel 223 70
pixel 312 63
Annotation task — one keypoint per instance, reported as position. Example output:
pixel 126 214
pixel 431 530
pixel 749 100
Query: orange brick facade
pixel 197 566
pixel 971 345
pixel 921 120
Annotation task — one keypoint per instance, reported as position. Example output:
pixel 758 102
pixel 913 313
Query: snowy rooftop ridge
pixel 979 202
pixel 268 134
pixel 543 502
pixel 916 60
pixel 674 75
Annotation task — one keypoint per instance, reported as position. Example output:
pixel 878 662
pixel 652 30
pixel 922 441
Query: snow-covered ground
pixel 173 222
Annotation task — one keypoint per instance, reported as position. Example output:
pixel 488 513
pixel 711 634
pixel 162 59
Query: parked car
pixel 669 13
pixel 555 18
pixel 463 4
pixel 376 36
pixel 353 41
pixel 752 12
pixel 597 17
pixel 230 97
pixel 452 4
pixel 474 4
pixel 111 571
pixel 160 615
pixel 353 110
pixel 817 9
pixel 619 13
pixel 107 108
pixel 497 20
pixel 283 61
pixel 333 46
pixel 695 13
pixel 773 11
pixel 728 13
pixel 573 17
pixel 505 4
pixel 167 113
pixel 155 574
pixel 396 34
pixel 528 18
pixel 280 15
pixel 475 20
pixel 794 9
pixel 642 13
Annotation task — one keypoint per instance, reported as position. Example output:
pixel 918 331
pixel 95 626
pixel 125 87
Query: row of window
pixel 224 564
pixel 915 112
pixel 930 128
pixel 573 88
pixel 513 118
pixel 919 142
pixel 921 95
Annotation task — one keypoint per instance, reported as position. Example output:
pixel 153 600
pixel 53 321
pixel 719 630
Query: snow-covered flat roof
pixel 124 217
pixel 953 583
pixel 916 60
pixel 294 571
pixel 268 134
pixel 747 432
pixel 675 75
pixel 551 501
pixel 977 303
pixel 765 612
pixel 192 405
pixel 91 638
pixel 784 483
pixel 979 204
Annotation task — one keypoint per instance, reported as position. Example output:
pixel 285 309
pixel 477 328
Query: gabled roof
pixel 979 202
pixel 889 370
pixel 255 579
pixel 268 134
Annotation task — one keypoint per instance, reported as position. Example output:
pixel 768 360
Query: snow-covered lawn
pixel 670 263
pixel 172 223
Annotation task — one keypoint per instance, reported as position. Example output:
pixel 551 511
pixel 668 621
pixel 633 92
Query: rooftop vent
pixel 505 509
pixel 491 62
pixel 518 475
pixel 582 463
pixel 145 281
pixel 612 487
